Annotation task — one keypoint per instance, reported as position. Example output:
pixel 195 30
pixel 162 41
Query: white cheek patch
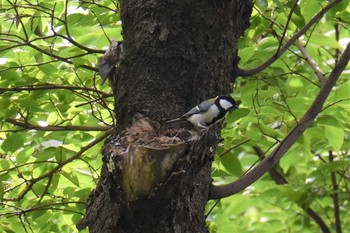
pixel 225 104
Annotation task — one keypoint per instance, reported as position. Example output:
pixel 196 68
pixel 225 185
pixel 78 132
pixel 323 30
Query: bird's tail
pixel 175 120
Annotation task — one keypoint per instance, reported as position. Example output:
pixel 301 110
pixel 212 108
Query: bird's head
pixel 226 102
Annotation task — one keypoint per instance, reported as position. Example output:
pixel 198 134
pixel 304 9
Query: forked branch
pixel 217 192
pixel 268 62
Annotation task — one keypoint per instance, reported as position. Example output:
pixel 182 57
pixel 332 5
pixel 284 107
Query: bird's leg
pixel 202 129
pixel 178 132
pixel 201 126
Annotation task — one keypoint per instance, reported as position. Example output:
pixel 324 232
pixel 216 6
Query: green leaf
pixel 48 69
pixel 246 54
pixel 268 131
pixel 335 136
pixel 333 130
pixel 231 164
pixel 13 142
pixel 72 178
pixel 24 155
pixel 262 4
pixel 297 18
pixel 341 6
pixel 324 40
pixel 279 4
pixel 4 164
pixel 237 114
pixel 39 187
pixel 1 190
pixel 69 191
pixel 310 8
pixel 54 183
pixel 342 92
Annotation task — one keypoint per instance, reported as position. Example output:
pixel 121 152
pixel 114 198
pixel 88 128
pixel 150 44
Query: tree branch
pixel 59 166
pixel 26 125
pixel 295 4
pixel 318 16
pixel 319 74
pixel 280 179
pixel 250 177
pixel 40 87
pixel 335 197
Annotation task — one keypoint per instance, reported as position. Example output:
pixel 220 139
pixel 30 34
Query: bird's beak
pixel 233 108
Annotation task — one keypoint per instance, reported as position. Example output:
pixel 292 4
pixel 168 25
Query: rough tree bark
pixel 175 54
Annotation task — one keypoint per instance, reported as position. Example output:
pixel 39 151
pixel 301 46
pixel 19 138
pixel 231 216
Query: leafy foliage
pixel 55 114
pixel 314 174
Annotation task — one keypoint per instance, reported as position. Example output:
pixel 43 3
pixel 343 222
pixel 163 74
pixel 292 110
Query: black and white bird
pixel 208 112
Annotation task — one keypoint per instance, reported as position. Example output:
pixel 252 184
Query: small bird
pixel 111 59
pixel 208 112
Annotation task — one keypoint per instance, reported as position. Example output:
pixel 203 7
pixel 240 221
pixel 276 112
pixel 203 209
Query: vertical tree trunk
pixel 175 54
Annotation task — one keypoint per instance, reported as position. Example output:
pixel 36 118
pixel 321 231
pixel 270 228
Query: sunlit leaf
pixel 231 164
pixel 335 136
pixel 48 77
pixel 13 142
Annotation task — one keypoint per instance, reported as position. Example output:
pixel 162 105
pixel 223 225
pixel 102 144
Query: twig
pixel 252 176
pixel 26 125
pixel 59 166
pixel 301 48
pixel 233 147
pixel 268 62
pixel 335 197
pixel 319 74
pixel 40 87
pixel 280 179
pixel 295 4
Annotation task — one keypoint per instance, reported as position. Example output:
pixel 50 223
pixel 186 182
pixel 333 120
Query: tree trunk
pixel 175 54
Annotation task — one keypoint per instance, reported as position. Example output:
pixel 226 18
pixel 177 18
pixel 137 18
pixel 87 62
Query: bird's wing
pixel 175 120
pixel 202 107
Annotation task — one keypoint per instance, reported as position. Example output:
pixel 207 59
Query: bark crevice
pixel 142 164
pixel 175 55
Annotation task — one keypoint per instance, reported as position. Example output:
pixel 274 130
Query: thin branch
pixel 321 78
pixel 69 37
pixel 40 87
pixel 7 170
pixel 295 4
pixel 18 19
pixel 22 222
pixel 297 43
pixel 212 208
pixel 280 179
pixel 342 174
pixel 49 54
pixel 102 6
pixel 27 125
pixel 59 166
pixel 335 197
pixel 318 16
pixel 20 211
pixel 233 147
pixel 252 176
pixel 62 58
